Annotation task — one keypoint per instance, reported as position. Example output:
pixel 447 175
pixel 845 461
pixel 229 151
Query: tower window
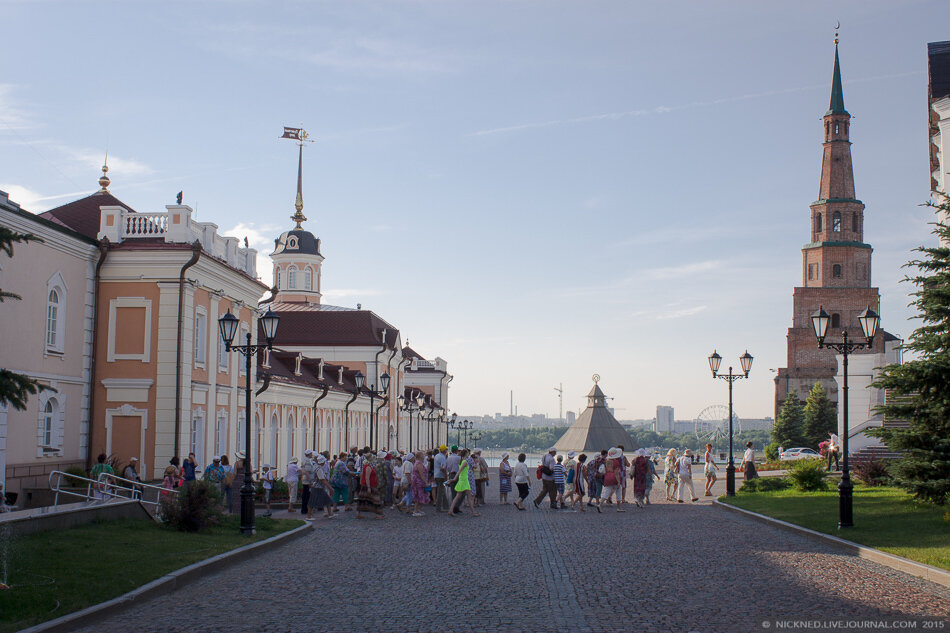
pixel 292 242
pixel 827 130
pixel 836 271
pixel 836 222
pixel 836 128
pixel 835 320
pixel 856 223
pixel 292 277
pixel 307 279
pixel 818 222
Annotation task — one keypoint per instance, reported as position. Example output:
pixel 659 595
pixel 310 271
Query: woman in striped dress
pixel 504 479
pixel 669 475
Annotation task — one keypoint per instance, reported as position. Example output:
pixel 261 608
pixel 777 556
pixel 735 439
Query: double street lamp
pixel 412 404
pixel 746 361
pixel 476 437
pixel 869 321
pixel 228 326
pixel 460 425
pixel 373 394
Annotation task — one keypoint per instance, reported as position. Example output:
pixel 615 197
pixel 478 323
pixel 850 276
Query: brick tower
pixel 836 263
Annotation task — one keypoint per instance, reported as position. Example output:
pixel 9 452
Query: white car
pixel 791 454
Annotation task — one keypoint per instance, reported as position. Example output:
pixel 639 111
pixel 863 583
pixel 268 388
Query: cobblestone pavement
pixel 667 567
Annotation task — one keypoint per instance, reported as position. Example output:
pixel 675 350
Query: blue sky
pixel 534 191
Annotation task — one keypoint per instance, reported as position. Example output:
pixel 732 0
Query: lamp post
pixel 373 394
pixel 463 425
pixel 228 325
pixel 412 404
pixel 450 423
pixel 476 437
pixel 869 321
pixel 746 361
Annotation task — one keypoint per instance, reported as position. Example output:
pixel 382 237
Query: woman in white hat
pixel 320 490
pixel 669 474
pixel 612 477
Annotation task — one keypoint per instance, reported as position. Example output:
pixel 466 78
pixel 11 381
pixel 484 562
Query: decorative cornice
pixel 849 244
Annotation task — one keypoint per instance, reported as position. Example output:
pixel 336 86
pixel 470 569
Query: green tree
pixel 15 388
pixel 820 417
pixel 918 391
pixel 789 428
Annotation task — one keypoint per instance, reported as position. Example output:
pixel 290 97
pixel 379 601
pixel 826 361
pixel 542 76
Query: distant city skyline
pixel 533 193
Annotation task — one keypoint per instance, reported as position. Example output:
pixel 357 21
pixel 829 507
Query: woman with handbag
pixel 368 495
pixel 504 479
pixel 522 481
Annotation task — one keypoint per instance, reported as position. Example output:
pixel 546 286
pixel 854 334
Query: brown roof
pixel 596 428
pixel 283 365
pixel 82 215
pixel 320 327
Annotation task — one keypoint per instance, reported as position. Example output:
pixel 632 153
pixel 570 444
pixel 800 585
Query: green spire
pixel 837 96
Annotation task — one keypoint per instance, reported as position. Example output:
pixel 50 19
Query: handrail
pixel 58 474
pixel 135 488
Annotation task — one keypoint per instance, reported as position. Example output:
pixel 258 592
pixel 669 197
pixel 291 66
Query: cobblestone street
pixel 667 567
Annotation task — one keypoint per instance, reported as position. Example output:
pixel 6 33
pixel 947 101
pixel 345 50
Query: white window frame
pixel 196 436
pixel 224 356
pixel 241 421
pixel 292 278
pixel 274 439
pixel 56 422
pixel 221 432
pixel 308 278
pixel 201 336
pixel 56 330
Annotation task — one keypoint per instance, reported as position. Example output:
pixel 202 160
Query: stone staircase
pixel 879 451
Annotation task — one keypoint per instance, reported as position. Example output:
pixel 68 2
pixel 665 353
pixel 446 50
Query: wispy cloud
pixel 681 313
pixel 12 115
pixel 685 270
pixel 35 201
pixel 663 109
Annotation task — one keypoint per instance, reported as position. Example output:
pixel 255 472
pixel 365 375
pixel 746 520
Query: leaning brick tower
pixel 836 263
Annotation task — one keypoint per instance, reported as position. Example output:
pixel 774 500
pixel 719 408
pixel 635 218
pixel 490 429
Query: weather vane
pixel 300 135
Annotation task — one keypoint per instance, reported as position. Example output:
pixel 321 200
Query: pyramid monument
pixel 596 428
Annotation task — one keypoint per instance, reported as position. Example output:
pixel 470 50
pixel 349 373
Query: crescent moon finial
pixel 837 26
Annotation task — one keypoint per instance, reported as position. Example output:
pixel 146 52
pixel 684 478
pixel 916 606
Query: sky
pixel 535 191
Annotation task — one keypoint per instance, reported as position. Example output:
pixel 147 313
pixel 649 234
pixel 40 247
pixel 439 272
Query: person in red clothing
pixel 612 479
pixel 368 496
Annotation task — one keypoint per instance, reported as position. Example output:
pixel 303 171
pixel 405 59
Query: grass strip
pixel 885 518
pixel 55 573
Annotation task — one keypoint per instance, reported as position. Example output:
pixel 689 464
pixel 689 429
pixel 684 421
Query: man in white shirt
pixel 834 451
pixel 452 463
pixel 684 471
pixel 292 477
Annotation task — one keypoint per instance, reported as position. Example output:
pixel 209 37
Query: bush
pixel 279 492
pixel 194 507
pixel 871 472
pixel 765 484
pixel 75 471
pixel 808 475
pixel 771 452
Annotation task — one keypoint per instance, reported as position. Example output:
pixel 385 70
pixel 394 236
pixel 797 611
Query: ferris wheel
pixel 712 423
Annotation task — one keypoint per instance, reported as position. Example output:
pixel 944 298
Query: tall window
pixel 46 423
pixel 818 222
pixel 273 440
pixel 195 444
pixel 835 320
pixel 307 279
pixel 241 431
pixel 277 279
pixel 221 433
pixel 836 222
pixel 52 319
pixel 292 277
pixel 855 223
pixel 201 337
pixel 836 271
pixel 223 355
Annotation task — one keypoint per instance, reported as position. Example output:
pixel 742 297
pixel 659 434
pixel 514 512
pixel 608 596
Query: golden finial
pixel 104 179
pixel 837 26
pixel 596 378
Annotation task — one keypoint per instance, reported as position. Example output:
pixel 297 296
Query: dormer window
pixel 292 242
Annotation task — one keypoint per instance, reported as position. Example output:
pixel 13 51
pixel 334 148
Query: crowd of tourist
pixel 449 479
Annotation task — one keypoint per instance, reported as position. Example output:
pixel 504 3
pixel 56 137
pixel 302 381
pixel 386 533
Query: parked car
pixel 792 454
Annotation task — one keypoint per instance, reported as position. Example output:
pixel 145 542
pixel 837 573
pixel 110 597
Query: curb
pixel 913 568
pixel 165 584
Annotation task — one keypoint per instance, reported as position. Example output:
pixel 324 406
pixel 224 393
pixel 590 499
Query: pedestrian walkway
pixel 667 567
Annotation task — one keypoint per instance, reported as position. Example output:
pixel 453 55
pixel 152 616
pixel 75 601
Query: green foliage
pixel 765 484
pixel 76 471
pixel 808 475
pixel 15 389
pixel 196 506
pixel 789 428
pixel 820 417
pixel 280 489
pixel 771 452
pixel 871 472
pixel 917 389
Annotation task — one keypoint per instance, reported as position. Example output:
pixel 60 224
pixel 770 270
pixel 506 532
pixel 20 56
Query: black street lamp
pixel 412 404
pixel 746 361
pixel 476 437
pixel 460 425
pixel 869 321
pixel 373 394
pixel 228 325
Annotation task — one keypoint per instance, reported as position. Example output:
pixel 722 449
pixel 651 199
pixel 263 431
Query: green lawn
pixel 58 572
pixel 885 518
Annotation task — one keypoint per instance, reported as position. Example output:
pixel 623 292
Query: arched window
pixel 855 223
pixel 47 419
pixel 292 277
pixel 308 279
pixel 291 432
pixel 827 129
pixel 836 222
pixel 818 223
pixel 277 279
pixel 836 271
pixel 836 127
pixel 274 423
pixel 52 319
pixel 221 433
pixel 835 320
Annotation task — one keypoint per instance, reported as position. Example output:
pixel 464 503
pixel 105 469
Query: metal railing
pixel 106 488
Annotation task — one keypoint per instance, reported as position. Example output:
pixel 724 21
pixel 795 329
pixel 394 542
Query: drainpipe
pixel 326 390
pixel 103 252
pixel 376 366
pixel 381 405
pixel 195 255
pixel 399 391
pixel 346 420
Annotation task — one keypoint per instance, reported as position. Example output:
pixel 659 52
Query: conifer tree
pixel 15 388
pixel 918 391
pixel 820 417
pixel 789 428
